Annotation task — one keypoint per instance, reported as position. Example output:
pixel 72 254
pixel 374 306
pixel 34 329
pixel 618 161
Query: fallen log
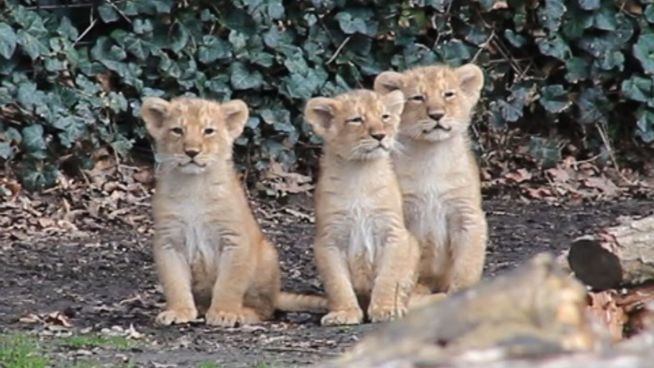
pixel 534 311
pixel 616 256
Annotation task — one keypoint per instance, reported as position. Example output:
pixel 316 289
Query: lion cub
pixel 438 173
pixel 210 253
pixel 364 254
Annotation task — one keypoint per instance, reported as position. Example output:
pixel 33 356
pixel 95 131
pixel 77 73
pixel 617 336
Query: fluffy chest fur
pixel 358 209
pixel 362 230
pixel 190 215
pixel 435 180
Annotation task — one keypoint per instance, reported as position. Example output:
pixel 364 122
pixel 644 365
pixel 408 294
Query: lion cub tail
pixel 291 302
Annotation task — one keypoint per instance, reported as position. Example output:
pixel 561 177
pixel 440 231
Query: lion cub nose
pixel 191 152
pixel 436 115
pixel 378 136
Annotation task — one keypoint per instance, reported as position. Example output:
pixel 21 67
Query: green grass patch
pixel 209 364
pixel 19 350
pixel 97 341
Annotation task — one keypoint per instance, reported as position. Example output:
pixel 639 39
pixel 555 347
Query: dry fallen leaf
pixel 518 176
pixel 603 307
pixel 602 183
pixel 58 318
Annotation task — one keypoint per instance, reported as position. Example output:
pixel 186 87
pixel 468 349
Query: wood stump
pixel 615 256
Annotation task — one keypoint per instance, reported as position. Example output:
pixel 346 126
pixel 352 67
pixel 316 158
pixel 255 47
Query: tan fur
pixel 438 172
pixel 364 254
pixel 210 253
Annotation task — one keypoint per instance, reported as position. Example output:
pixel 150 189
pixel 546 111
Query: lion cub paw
pixel 343 317
pixel 384 313
pixel 225 318
pixel 176 316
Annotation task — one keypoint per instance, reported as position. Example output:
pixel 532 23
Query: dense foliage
pixel 73 72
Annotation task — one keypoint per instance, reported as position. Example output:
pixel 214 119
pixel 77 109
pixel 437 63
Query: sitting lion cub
pixel 210 253
pixel 438 173
pixel 364 254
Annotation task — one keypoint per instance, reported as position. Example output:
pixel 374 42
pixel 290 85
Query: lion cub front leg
pixel 343 304
pixel 396 278
pixel 468 238
pixel 235 273
pixel 175 277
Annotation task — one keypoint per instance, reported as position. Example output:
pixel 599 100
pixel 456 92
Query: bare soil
pixel 107 280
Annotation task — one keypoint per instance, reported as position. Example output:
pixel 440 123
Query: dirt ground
pixel 106 282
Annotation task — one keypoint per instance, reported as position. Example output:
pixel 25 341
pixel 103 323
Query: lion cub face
pixel 440 99
pixel 358 125
pixel 191 134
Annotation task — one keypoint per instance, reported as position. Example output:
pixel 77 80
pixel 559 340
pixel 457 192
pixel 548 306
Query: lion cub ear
pixel 388 81
pixel 319 113
pixel 394 102
pixel 154 111
pixel 471 80
pixel 235 113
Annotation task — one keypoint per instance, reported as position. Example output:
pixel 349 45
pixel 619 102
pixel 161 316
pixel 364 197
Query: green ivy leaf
pixel 546 151
pixel 551 14
pixel 554 46
pixel 575 23
pixel 179 38
pixel 241 78
pixel 610 60
pixel 606 20
pixel 121 145
pixel 263 58
pixel 54 65
pixel 649 13
pixel 67 29
pixel 136 46
pixel 161 6
pixel 645 125
pixel 644 52
pixel 36 176
pixel 142 26
pixel 275 9
pixel 554 98
pixel 6 152
pixel 107 13
pixel 28 96
pixel 105 50
pixel 350 25
pixel 33 138
pixel 515 39
pixel 32 46
pixel 589 4
pixel 509 112
pixel 71 129
pixel 212 49
pixel 453 51
pixel 593 106
pixel 219 87
pixel 638 89
pixel 576 69
pixel 8 40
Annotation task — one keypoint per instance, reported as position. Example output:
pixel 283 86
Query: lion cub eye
pixel 385 117
pixel 417 98
pixel 449 94
pixel 358 120
pixel 177 130
pixel 209 131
